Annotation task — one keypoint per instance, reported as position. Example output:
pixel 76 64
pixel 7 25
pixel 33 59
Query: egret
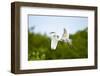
pixel 55 38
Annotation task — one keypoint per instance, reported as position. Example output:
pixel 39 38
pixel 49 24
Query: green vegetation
pixel 39 47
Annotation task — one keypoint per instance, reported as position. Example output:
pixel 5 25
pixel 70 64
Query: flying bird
pixel 55 38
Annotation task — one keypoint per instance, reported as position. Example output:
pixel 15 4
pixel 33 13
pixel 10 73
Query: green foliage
pixel 39 47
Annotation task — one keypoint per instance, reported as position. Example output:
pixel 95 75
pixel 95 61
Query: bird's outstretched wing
pixel 54 40
pixel 54 43
pixel 65 35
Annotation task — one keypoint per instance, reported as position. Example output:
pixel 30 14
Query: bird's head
pixel 53 34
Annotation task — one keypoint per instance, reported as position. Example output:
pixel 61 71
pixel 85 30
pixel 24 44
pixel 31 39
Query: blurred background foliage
pixel 39 47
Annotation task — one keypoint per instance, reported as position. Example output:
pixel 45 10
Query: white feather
pixel 54 41
pixel 65 37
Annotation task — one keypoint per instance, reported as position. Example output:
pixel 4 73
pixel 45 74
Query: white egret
pixel 55 39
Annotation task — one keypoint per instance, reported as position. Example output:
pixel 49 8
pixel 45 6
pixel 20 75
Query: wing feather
pixel 54 42
pixel 65 35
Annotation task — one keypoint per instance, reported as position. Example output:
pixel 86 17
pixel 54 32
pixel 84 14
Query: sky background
pixel 47 24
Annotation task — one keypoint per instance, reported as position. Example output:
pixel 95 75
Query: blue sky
pixel 47 24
